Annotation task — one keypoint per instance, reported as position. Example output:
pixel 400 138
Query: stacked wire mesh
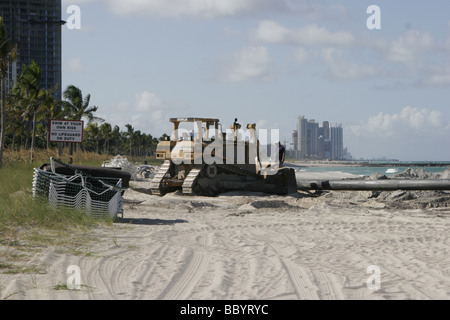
pixel 95 196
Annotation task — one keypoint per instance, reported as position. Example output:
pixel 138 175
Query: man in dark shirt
pixel 281 153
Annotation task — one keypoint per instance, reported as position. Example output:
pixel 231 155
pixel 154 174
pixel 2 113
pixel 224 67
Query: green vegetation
pixel 8 54
pixel 27 224
pixel 19 209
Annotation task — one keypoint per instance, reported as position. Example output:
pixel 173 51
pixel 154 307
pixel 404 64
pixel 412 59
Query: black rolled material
pixel 97 172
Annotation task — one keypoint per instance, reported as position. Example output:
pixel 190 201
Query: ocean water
pixel 370 170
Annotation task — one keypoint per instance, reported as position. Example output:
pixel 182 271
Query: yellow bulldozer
pixel 207 161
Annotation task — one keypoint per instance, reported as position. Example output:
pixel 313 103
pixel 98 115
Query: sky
pixel 268 62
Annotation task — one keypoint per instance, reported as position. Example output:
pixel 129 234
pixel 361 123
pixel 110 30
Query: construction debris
pixel 124 164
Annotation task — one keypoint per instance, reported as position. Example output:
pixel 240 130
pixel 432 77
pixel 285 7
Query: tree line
pixel 27 109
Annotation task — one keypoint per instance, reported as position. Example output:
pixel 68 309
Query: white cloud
pixel 197 8
pixel 232 33
pixel 410 122
pixel 339 68
pixel 222 8
pixel 317 11
pixel 71 2
pixel 75 65
pixel 310 35
pixel 404 58
pixel 410 46
pixel 300 55
pixel 246 64
pixel 147 113
pixel 271 32
pixel 438 76
pixel 411 134
pixel 148 102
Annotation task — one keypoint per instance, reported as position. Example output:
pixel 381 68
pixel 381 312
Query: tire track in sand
pixel 299 276
pixel 195 264
pixel 308 282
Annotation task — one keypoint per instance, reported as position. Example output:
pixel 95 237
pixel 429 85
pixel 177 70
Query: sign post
pixel 66 131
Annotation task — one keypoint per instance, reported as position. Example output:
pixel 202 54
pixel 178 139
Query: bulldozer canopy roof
pixel 209 120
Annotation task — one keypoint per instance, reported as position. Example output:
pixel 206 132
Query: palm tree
pixel 15 118
pixel 130 134
pixel 164 137
pixel 146 143
pixel 8 54
pixel 31 97
pixel 77 107
pixel 116 138
pixel 52 109
pixel 93 134
pixel 106 133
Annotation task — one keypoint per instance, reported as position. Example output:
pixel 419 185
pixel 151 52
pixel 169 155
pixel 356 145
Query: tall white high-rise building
pixel 313 142
pixel 337 142
pixel 302 135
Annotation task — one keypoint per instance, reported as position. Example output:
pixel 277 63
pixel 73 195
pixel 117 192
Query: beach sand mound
pixel 418 173
pixel 415 199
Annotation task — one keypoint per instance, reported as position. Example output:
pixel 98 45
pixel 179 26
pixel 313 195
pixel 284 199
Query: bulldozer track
pixel 190 180
pixel 192 177
pixel 156 182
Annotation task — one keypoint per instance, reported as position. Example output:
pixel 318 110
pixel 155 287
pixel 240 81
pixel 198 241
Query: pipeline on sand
pixel 374 185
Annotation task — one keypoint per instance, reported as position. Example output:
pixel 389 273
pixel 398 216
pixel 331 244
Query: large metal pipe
pixel 375 185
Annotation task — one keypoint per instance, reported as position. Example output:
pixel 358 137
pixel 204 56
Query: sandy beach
pixel 245 246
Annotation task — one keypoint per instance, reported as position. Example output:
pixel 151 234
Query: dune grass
pixel 21 158
pixel 18 208
pixel 28 224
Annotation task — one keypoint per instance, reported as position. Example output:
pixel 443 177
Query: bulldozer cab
pixel 205 129
pixel 187 143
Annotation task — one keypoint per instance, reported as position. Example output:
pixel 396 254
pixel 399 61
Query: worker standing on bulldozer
pixel 281 153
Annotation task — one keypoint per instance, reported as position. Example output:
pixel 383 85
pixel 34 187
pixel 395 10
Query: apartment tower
pixel 35 26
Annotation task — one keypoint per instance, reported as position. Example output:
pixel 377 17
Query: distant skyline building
pixel 295 140
pixel 326 130
pixel 337 142
pixel 35 26
pixel 310 141
pixel 302 129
